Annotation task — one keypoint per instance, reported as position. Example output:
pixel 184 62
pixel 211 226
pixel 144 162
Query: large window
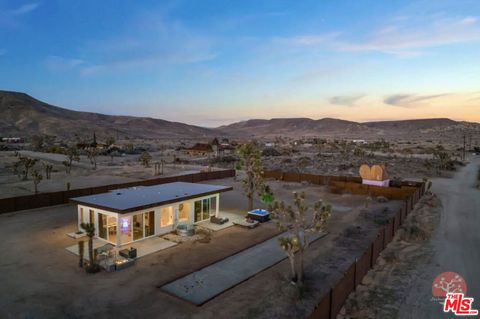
pixel 183 211
pixel 166 216
pixel 125 229
pixel 213 205
pixel 91 216
pixel 198 210
pixel 149 223
pixel 205 208
pixel 137 226
pixel 107 227
pixel 102 226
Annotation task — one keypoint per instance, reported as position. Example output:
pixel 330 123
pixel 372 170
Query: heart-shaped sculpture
pixel 375 173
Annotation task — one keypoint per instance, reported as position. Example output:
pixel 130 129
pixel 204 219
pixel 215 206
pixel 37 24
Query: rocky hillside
pixel 327 127
pixel 23 115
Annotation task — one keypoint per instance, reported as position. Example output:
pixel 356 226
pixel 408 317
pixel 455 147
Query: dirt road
pixel 456 243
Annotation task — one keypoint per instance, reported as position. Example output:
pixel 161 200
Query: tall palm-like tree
pixel 251 163
pixel 90 231
pixel 81 245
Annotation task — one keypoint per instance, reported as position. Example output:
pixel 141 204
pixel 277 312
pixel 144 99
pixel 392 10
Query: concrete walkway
pixel 203 285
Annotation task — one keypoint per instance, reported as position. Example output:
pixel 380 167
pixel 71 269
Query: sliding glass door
pixel 149 223
pixel 107 227
pixel 205 208
pixel 143 225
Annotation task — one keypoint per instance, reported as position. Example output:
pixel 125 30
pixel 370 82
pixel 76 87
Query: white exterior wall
pixel 159 230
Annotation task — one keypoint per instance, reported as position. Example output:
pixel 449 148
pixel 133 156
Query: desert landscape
pixel 76 161
pixel 436 150
pixel 204 159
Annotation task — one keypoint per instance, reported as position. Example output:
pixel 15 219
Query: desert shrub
pixel 382 199
pixel 380 221
pixel 304 161
pixel 223 159
pixel 92 268
pixel 56 149
pixel 205 235
pixel 343 167
pixel 270 152
pixel 415 233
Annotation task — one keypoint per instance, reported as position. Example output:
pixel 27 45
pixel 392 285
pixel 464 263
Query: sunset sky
pixel 216 62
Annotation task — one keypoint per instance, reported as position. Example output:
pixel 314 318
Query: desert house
pixel 128 215
pixel 12 139
pixel 199 149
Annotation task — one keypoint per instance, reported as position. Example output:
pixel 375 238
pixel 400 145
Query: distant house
pixel 199 149
pixel 359 141
pixel 226 149
pixel 12 140
pixel 98 146
pixel 214 147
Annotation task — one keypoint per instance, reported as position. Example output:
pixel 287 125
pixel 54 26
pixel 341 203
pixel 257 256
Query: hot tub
pixel 185 230
pixel 261 215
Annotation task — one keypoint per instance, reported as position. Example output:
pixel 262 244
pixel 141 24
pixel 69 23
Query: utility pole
pixel 464 144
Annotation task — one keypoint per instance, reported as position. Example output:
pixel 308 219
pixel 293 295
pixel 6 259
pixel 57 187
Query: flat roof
pixel 126 200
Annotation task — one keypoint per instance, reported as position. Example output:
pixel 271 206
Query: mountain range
pixel 24 116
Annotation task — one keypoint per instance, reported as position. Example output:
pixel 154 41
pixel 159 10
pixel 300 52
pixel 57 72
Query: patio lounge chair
pixel 247 223
pixel 218 220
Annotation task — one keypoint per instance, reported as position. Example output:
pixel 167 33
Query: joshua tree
pixel 81 249
pixel 48 169
pixel 90 231
pixel 92 154
pixel 27 163
pixel 300 224
pixel 72 155
pixel 159 167
pixel 250 161
pixel 145 159
pixel 110 141
pixel 37 178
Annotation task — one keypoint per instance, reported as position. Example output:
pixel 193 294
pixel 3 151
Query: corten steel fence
pixel 333 300
pixel 350 184
pixel 13 204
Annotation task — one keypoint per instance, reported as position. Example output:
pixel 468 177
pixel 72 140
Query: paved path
pixel 203 285
pixel 456 243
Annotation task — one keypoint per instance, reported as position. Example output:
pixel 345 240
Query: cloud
pixel 345 100
pixel 308 39
pixel 151 41
pixel 408 40
pixel 404 38
pixel 25 8
pixel 57 63
pixel 12 18
pixel 410 100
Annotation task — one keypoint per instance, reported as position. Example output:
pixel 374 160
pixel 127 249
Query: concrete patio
pixel 232 217
pixel 144 247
